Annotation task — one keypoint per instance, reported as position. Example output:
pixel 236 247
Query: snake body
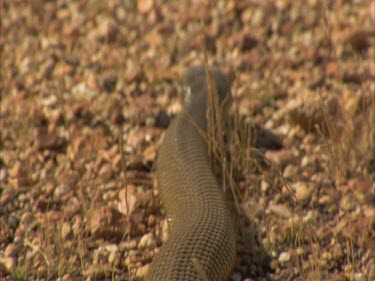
pixel 202 238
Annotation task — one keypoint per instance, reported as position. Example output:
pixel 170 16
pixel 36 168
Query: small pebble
pixel 284 257
pixel 11 250
pixel 142 271
pixel 302 192
pixel 109 83
pixel 146 241
pixel 348 203
pixel 359 277
pixel 264 186
pixel 8 263
pixel 280 210
pixel 290 171
pixel 162 120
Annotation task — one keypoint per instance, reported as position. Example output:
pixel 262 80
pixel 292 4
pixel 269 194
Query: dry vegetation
pixel 88 87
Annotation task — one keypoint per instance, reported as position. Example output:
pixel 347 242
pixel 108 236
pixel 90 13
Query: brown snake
pixel 202 240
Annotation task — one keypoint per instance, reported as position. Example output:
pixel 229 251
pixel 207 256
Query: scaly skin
pixel 201 225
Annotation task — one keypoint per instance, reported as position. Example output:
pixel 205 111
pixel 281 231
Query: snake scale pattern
pixel 202 238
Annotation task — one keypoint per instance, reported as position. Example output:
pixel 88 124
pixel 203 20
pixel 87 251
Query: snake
pixel 202 242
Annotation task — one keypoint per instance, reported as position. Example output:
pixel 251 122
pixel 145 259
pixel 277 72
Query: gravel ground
pixel 88 88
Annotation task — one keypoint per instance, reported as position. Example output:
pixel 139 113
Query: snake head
pixel 195 86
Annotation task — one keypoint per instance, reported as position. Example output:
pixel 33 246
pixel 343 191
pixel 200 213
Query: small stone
pixel 5 198
pixel 151 220
pixel 146 241
pixel 281 158
pixel 360 188
pixel 264 186
pixel 18 170
pixel 66 277
pixel 369 211
pixel 337 252
pixel 150 153
pixel 81 90
pixel 107 30
pixel 112 257
pixel 3 175
pixel 248 42
pixel 11 250
pixel 61 190
pixel 106 171
pixel 306 161
pixel 310 216
pixel 300 251
pixel 162 120
pixel 107 223
pixel 109 83
pixel 252 209
pixel 284 257
pixel 290 171
pixel 274 264
pixel 302 192
pixel 135 138
pixel 280 210
pixel 358 276
pixel 132 244
pixel 359 40
pixel 142 271
pixel 326 256
pixel 130 111
pixel 127 204
pixel 46 68
pixel 245 41
pixel 325 200
pixel 174 108
pixel 73 205
pixel 348 203
pixel 371 11
pixel 306 111
pixel 27 219
pixel 145 6
pixel 25 66
pixel 65 230
pixel 112 248
pixel 8 263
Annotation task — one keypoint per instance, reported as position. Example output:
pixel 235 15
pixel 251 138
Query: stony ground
pixel 88 88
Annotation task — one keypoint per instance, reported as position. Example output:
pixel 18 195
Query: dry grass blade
pixel 37 249
pixel 215 134
pixel 328 33
pixel 333 143
pixel 214 111
pixel 124 182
